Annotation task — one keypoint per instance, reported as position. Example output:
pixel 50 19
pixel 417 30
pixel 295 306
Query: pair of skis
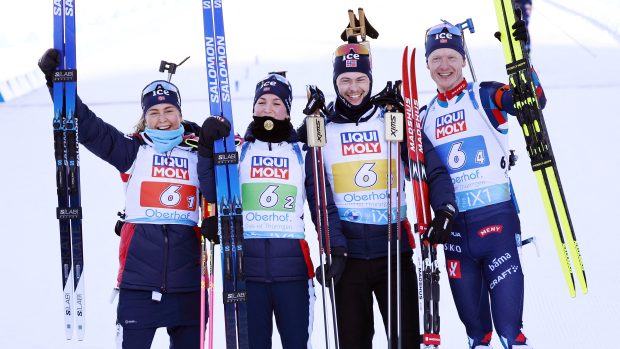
pixel 230 220
pixel 530 117
pixel 66 154
pixel 428 266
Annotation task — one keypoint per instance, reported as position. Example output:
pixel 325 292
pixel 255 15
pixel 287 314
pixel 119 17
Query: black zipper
pixel 165 268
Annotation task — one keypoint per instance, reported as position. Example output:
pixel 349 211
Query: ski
pixel 230 220
pixel 530 117
pixel 66 154
pixel 428 266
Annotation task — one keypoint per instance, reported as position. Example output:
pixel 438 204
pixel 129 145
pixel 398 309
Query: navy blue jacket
pixel 152 257
pixel 367 241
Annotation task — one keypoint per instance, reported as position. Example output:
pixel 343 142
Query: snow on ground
pixel 577 64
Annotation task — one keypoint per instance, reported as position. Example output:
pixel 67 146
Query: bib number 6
pixel 366 177
pixel 269 198
pixel 170 196
pixel 456 157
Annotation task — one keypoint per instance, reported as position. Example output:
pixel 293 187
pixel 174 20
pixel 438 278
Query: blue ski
pixel 66 153
pixel 227 179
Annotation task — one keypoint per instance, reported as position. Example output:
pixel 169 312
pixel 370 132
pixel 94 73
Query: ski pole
pixel 394 135
pixel 315 128
pixel 467 24
pixel 211 292
pixel 203 288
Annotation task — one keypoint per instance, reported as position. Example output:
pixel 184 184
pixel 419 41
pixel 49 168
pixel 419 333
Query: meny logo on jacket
pixel 364 142
pixel 269 167
pixel 450 124
pixel 491 229
pixel 170 167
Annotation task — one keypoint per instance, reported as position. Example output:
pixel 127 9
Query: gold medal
pixel 268 125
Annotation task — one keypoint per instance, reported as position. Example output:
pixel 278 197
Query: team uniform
pixel 355 159
pixel 159 253
pixel 467 127
pixel 277 265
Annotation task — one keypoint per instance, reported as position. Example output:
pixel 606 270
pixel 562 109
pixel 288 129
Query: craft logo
pixel 491 229
pixel 365 142
pixel 450 124
pixel 170 167
pixel 454 269
pixel 269 167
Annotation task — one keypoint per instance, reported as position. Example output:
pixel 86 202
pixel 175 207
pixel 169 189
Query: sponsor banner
pixel 471 199
pixel 270 197
pixel 513 269
pixel 491 229
pixel 172 196
pixel 361 142
pixel 269 167
pixel 374 216
pixel 465 154
pixel 273 235
pixel 356 176
pixel 450 124
pixel 170 167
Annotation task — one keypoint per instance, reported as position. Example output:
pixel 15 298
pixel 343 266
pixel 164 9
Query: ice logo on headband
pixel 350 59
pixel 267 84
pixel 443 37
pixel 159 91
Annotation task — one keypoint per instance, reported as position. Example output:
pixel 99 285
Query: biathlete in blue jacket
pixel 356 166
pixel 278 269
pixel 159 274
pixel 467 126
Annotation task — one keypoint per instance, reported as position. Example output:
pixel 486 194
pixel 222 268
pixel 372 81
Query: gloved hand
pixel 335 269
pixel 520 28
pixel 390 95
pixel 48 64
pixel 440 228
pixel 214 127
pixel 316 100
pixel 208 229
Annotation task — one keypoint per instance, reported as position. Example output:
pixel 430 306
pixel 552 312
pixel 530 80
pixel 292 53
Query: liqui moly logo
pixel 365 142
pixel 450 124
pixel 170 167
pixel 454 269
pixel 491 229
pixel 269 167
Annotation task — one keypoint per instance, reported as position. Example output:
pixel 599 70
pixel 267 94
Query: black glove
pixel 333 270
pixel 441 227
pixel 208 229
pixel 214 127
pixel 48 64
pixel 520 29
pixel 316 100
pixel 390 95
